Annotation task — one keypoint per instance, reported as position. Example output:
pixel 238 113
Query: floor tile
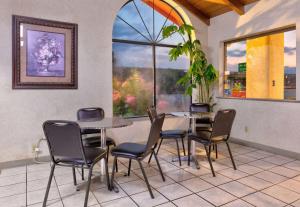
pixel 238 203
pixel 237 189
pixel 12 171
pixel 192 200
pixel 278 160
pixel 216 196
pixel 13 179
pixel 282 194
pixel 249 169
pixel 259 154
pixel 262 164
pixel 38 196
pixel 144 199
pixel 296 204
pixel 216 166
pixel 228 163
pixel 218 180
pixel 271 177
pixel 166 167
pixel 233 174
pixel 169 204
pixel 179 175
pixel 174 191
pixel 297 178
pixel 134 187
pixel 263 200
pixel 121 202
pixel 157 182
pixel 196 185
pixel 198 172
pixel 77 199
pixel 150 171
pixel 14 201
pixel 255 182
pixel 38 167
pixel 244 158
pixel 39 184
pixel 295 165
pixel 104 195
pixel 292 185
pixel 52 203
pixel 14 189
pixel 285 171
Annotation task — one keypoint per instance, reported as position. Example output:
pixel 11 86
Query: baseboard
pixel 274 150
pixel 17 163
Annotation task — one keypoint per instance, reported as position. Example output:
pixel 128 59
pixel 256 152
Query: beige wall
pixel 273 124
pixel 22 112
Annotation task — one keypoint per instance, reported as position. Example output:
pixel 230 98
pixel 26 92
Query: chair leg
pixel 208 152
pixel 113 174
pixel 88 186
pixel 216 150
pixel 82 173
pixel 156 151
pixel 157 162
pixel 178 152
pixel 129 167
pixel 183 146
pixel 189 152
pixel 152 153
pixel 231 157
pixel 146 179
pixel 49 185
pixel 74 176
pixel 161 140
pixel 107 174
pixel 117 169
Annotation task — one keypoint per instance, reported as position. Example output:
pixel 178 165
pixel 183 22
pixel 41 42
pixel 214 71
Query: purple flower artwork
pixel 45 54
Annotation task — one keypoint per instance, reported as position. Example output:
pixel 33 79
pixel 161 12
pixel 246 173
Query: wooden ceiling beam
pixel 205 18
pixel 236 6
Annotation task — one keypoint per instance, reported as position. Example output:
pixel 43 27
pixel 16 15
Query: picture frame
pixel 44 54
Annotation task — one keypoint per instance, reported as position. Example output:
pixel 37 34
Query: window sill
pixel 259 99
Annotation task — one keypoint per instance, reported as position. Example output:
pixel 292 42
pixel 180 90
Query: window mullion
pixel 154 75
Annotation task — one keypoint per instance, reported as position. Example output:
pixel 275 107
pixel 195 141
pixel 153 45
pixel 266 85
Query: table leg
pixel 103 145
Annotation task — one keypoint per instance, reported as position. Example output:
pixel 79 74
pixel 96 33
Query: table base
pixel 185 158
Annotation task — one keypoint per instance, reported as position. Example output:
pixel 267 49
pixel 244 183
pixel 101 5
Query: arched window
pixel 142 73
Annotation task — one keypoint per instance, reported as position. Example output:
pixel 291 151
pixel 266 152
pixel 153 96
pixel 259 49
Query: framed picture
pixel 44 54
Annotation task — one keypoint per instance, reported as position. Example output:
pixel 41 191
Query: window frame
pixel 153 44
pixel 287 28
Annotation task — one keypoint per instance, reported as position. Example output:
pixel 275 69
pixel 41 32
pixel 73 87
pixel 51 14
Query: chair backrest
pixel 155 130
pixel 199 107
pixel 90 113
pixel 64 140
pixel 223 123
pixel 151 113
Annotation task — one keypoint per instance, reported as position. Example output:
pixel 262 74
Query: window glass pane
pixel 123 31
pixel 132 79
pixel 161 13
pixel 175 38
pixel 262 67
pixel 129 13
pixel 170 96
pixel 145 8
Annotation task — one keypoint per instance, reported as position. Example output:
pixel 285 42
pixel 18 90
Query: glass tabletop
pixel 105 123
pixel 190 115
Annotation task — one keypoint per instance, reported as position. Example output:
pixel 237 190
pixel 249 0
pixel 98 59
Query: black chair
pixel 66 149
pixel 138 152
pixel 219 133
pixel 168 134
pixel 85 114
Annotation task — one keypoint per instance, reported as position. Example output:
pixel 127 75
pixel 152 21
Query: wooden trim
pixel 235 5
pixel 203 17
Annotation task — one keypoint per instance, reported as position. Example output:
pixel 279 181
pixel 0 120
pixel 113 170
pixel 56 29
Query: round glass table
pixel 193 117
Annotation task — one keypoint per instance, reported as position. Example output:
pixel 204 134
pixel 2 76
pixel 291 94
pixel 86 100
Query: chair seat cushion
pixel 96 141
pixel 204 120
pixel 173 134
pixel 91 154
pixel 90 131
pixel 129 150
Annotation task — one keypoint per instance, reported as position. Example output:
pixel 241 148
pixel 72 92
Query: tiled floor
pixel 262 179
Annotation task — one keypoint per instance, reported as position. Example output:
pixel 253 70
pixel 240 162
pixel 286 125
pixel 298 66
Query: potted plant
pixel 200 74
